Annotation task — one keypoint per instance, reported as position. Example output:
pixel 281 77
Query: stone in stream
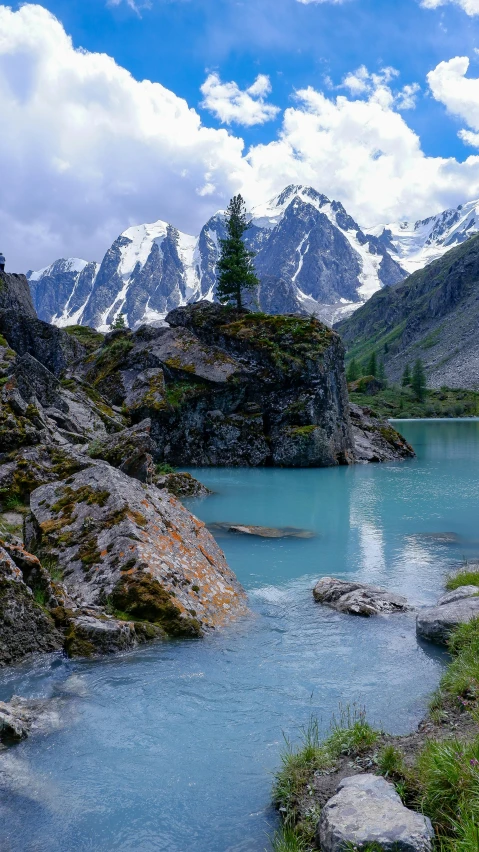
pixel 358 598
pixel 262 532
pixel 367 810
pixel 437 623
pixel 21 716
pixel 458 595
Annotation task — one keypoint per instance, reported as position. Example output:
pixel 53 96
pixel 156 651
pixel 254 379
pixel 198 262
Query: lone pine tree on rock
pixel 118 323
pixel 236 262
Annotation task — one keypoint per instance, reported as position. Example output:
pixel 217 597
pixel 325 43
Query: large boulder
pixel 132 549
pixel 367 810
pixel 223 387
pixel 25 626
pixel 129 450
pixel 437 623
pixel 375 440
pixel 357 598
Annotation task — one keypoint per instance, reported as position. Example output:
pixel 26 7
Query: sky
pixel 119 112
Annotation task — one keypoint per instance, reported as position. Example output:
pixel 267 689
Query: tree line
pixel 413 377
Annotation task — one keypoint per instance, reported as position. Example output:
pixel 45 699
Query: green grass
pixel 449 779
pixel 464 577
pixel 390 761
pixel 461 678
pixel 162 469
pixel 350 734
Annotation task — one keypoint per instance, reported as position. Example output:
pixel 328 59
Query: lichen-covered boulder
pixel 25 626
pixel 367 810
pixel 181 485
pixel 437 623
pixel 132 549
pixel 357 598
pixel 375 440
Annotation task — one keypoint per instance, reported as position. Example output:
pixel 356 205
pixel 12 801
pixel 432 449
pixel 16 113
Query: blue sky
pixel 124 111
pixel 175 42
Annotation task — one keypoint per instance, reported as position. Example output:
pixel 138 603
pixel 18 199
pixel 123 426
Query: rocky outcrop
pixel 26 627
pixel 358 598
pixel 52 346
pixel 229 388
pixel 125 547
pixel 375 440
pixel 129 450
pixel 181 485
pixel 367 810
pixel 15 294
pixel 437 623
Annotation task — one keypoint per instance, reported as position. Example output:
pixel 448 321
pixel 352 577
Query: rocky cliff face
pixel 433 315
pixel 311 257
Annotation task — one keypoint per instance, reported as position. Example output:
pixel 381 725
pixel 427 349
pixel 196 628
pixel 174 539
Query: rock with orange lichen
pixel 132 551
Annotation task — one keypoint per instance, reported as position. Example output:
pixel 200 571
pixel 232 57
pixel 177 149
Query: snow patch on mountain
pixel 416 244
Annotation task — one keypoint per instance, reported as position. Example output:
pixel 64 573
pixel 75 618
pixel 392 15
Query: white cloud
pixel 459 94
pixel 227 102
pixel 334 2
pixel 471 7
pixel 136 6
pixel 376 86
pixel 86 150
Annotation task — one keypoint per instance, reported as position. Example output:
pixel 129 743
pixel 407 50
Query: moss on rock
pixel 143 598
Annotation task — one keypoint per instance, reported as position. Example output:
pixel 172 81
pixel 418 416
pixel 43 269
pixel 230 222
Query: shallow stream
pixel 172 747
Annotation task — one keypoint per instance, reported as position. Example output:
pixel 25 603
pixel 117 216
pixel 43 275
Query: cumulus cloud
pixel 471 7
pixel 459 94
pixel 377 87
pixel 230 104
pixel 86 150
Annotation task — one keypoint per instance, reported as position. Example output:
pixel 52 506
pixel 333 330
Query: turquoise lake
pixel 173 747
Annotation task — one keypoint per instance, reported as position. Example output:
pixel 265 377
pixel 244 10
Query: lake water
pixel 172 747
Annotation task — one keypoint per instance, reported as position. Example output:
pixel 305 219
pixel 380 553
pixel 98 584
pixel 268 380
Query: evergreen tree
pixel 372 366
pixel 418 380
pixel 406 376
pixel 353 371
pixel 119 323
pixel 236 262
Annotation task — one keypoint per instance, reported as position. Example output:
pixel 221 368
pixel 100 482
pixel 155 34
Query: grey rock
pixel 375 440
pixel 436 623
pixel 367 809
pixel 15 294
pixel 52 346
pixel 25 627
pixel 358 598
pixel 21 717
pixel 458 595
pixel 129 450
pixel 180 484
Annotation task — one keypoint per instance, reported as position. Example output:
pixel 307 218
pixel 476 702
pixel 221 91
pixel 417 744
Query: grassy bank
pixel 435 770
pixel 395 401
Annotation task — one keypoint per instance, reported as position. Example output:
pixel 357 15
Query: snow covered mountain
pixel 415 245
pixel 311 256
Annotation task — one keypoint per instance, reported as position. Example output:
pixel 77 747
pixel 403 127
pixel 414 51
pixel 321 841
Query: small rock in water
pixel 436 623
pixel 262 532
pixel 367 810
pixel 358 598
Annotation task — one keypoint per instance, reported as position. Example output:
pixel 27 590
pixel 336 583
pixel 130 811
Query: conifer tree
pixel 406 376
pixel 236 262
pixel 118 323
pixel 418 380
pixel 353 371
pixel 382 373
pixel 372 366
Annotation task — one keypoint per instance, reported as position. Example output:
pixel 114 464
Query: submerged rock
pixel 367 810
pixel 437 623
pixel 358 598
pixel 135 549
pixel 22 716
pixel 375 440
pixel 262 532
